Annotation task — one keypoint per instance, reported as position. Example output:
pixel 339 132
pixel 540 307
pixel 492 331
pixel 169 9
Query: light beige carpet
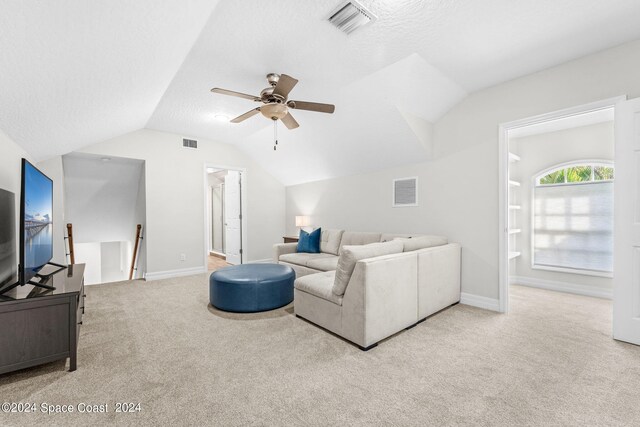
pixel 549 362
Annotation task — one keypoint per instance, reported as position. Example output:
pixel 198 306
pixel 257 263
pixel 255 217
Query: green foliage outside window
pixel 601 173
pixel 556 177
pixel 579 173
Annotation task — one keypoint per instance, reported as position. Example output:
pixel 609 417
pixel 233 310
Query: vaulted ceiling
pixel 74 72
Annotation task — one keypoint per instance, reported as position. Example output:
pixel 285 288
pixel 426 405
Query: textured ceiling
pixel 77 72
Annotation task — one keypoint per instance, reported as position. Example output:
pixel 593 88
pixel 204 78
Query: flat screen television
pixel 8 258
pixel 36 225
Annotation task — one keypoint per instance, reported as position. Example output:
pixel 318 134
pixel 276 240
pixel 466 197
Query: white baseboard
pixel 480 302
pixel 217 254
pixel 552 285
pixel 158 275
pixel 260 261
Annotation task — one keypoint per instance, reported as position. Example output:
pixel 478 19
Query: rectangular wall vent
pixel 405 192
pixel 189 143
pixel 351 16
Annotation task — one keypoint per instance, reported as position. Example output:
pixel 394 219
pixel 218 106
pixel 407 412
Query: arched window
pixel 576 172
pixel 573 218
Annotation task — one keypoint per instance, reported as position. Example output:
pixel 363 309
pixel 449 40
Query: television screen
pixel 37 212
pixel 8 261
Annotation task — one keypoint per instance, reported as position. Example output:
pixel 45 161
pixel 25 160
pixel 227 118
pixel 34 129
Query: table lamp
pixel 302 221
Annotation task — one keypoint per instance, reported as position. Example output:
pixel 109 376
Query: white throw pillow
pixel 422 242
pixel 350 255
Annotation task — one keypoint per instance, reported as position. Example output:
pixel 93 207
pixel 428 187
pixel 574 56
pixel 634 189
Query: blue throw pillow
pixel 309 242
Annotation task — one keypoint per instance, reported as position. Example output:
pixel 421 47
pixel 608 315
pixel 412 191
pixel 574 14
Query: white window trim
pixel 393 193
pixel 582 272
pixel 536 183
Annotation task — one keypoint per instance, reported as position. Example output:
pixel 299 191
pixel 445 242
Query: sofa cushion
pixel 422 242
pixel 329 263
pixel 350 238
pixel 302 258
pixel 387 237
pixel 350 255
pixel 319 285
pixel 330 241
pixel 309 242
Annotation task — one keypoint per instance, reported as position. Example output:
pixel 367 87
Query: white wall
pixel 467 140
pixel 101 197
pixel 361 203
pixel 106 262
pixel 175 193
pixel 115 259
pixel 10 171
pixel 90 254
pixel 458 189
pixel 540 152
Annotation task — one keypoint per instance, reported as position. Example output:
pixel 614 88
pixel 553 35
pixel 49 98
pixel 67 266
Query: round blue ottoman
pixel 248 288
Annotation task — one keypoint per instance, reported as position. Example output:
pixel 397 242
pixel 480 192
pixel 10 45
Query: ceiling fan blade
pixel 289 121
pixel 233 93
pixel 246 115
pixel 284 86
pixel 312 106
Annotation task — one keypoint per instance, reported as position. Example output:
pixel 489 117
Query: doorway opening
pixel 556 202
pixel 225 215
pixel 105 200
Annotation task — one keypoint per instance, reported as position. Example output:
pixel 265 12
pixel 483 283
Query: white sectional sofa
pixel 368 286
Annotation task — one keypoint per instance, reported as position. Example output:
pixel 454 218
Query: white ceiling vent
pixel 405 192
pixel 351 16
pixel 189 143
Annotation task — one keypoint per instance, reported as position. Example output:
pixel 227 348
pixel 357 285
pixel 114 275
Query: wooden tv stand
pixel 39 325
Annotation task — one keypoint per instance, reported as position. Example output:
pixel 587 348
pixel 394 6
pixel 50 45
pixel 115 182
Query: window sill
pixel 573 271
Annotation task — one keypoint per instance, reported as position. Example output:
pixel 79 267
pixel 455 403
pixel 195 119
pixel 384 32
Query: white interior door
pixel 233 217
pixel 626 280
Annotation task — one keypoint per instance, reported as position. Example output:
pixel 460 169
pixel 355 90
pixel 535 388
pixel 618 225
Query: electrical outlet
pixel 183 257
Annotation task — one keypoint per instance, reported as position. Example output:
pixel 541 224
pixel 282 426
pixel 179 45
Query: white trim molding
pixel 480 302
pixel 261 261
pixel 243 208
pixel 158 275
pixel 568 287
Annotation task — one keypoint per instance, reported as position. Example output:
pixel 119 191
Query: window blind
pixel 573 226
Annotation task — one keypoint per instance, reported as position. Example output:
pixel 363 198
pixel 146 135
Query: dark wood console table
pixel 38 325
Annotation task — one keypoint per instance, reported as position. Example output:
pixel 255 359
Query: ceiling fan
pixel 276 103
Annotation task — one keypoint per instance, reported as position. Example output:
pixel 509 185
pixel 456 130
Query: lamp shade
pixel 302 221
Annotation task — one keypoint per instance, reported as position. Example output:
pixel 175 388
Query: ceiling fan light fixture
pixel 221 117
pixel 274 111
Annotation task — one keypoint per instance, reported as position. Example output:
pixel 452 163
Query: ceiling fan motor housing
pixel 274 111
pixel 276 101
pixel 267 95
pixel 273 78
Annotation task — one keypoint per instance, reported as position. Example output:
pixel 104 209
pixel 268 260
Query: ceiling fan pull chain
pixel 275 134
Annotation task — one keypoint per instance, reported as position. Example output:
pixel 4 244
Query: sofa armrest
pixel 283 248
pixel 438 278
pixel 381 298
